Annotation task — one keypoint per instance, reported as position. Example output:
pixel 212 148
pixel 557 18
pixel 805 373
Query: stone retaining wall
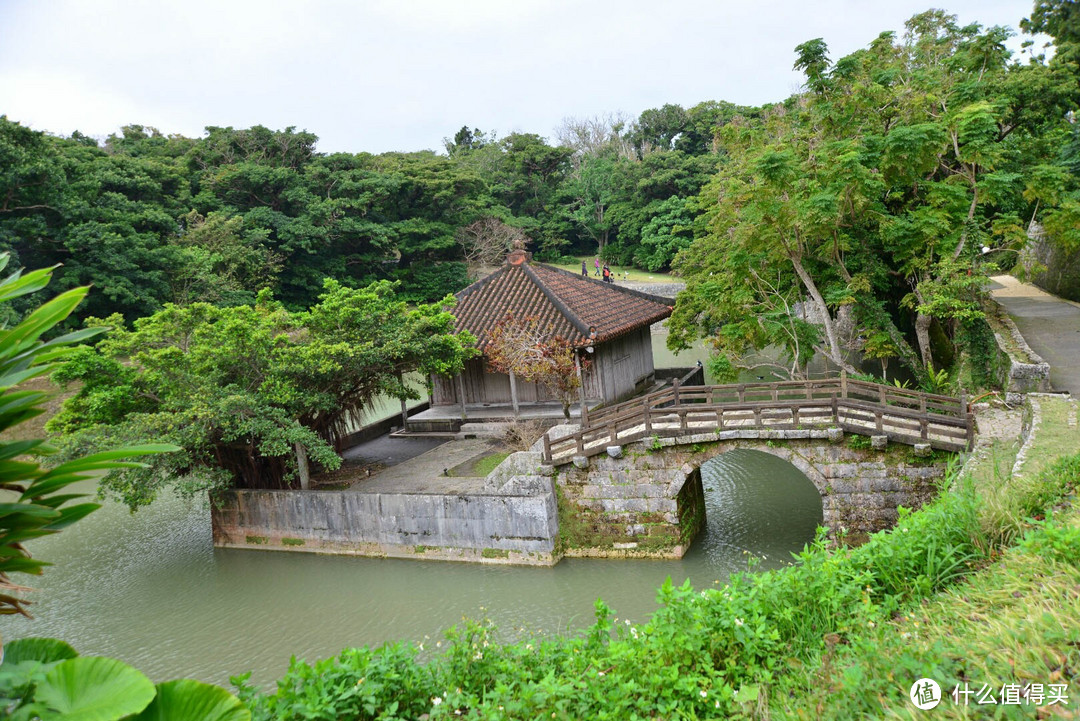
pixel 1051 267
pixel 513 520
pixel 664 290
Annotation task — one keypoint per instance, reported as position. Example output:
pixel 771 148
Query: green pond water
pixel 151 589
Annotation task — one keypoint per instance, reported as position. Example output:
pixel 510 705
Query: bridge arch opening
pixel 758 504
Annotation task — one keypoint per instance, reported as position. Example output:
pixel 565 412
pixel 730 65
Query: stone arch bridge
pixel 629 479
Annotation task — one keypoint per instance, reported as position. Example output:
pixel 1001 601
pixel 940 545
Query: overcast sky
pixel 402 75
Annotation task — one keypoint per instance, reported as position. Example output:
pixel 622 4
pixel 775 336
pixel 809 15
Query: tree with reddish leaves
pixel 528 349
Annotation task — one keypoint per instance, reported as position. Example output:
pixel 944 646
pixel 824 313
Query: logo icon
pixel 925 693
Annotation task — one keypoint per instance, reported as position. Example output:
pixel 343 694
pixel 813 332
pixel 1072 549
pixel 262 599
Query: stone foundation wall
pixel 516 522
pixel 649 501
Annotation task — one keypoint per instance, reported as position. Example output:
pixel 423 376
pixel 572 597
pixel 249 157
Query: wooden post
pixel 461 391
pixel 302 466
pixel 581 390
pixel 970 426
pixel 648 419
pixel 924 428
pixel 795 416
pixel 843 383
pixel 675 387
pixel 513 394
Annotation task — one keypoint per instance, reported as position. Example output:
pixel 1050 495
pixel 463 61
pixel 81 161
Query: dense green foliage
pixel 704 654
pixel 150 219
pixel 249 392
pixel 867 201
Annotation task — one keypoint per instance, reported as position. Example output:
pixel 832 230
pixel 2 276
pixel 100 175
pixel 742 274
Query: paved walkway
pixel 1050 325
pixel 424 473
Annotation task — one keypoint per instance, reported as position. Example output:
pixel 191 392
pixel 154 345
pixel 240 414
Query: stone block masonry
pixel 512 519
pixel 650 501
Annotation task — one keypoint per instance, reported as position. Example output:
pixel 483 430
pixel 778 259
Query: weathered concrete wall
pixel 515 520
pixel 1050 266
pixel 649 501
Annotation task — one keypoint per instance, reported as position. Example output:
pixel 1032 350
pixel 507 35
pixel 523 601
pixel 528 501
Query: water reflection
pixel 150 589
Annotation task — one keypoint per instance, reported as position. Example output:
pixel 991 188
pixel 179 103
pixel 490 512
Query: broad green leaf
pixel 747 693
pixel 45 650
pixel 186 700
pixel 17 448
pixel 92 688
pixel 17 284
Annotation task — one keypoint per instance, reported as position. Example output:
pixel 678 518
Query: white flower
pixel 436 701
pixel 738 622
pixel 600 673
pixel 704 693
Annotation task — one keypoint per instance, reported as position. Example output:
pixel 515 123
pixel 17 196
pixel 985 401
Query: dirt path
pixel 1050 325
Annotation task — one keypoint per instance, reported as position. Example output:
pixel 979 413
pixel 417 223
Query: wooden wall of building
pixel 623 363
pixel 482 386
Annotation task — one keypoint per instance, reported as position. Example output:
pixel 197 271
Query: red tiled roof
pixel 572 304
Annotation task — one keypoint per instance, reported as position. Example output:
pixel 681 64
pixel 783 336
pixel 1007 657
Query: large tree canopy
pixel 859 209
pixel 249 392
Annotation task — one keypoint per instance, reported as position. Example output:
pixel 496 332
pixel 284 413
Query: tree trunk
pixel 302 466
pixel 830 331
pixel 922 334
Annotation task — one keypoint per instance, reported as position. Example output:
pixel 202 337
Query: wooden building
pixel 606 323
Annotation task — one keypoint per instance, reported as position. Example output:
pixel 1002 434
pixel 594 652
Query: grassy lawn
pixel 633 275
pixel 1017 621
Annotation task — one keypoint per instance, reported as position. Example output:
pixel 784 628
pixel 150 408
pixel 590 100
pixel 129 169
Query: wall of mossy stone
pixel 1050 266
pixel 650 501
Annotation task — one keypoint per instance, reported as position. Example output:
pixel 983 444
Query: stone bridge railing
pixel 870 409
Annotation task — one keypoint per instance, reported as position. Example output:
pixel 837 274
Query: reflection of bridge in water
pixel 869 409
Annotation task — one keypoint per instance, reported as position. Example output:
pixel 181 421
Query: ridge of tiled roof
pixel 575 306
